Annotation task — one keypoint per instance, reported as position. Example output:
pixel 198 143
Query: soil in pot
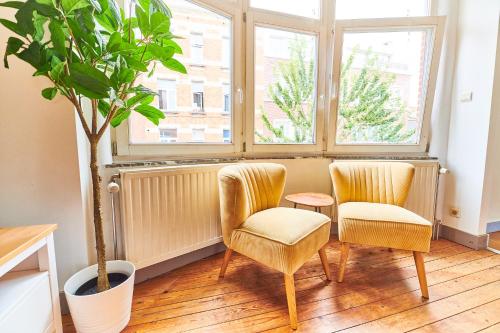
pixel 90 287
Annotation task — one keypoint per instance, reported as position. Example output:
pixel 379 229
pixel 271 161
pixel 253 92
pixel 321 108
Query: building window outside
pixel 226 98
pixel 167 95
pixel 168 135
pixel 197 48
pixel 198 135
pixel 226 52
pixel 226 135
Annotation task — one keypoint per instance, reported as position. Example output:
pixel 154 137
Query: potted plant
pixel 90 51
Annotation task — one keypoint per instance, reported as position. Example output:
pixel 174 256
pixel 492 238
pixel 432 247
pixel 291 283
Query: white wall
pixel 491 201
pixel 476 45
pixel 39 173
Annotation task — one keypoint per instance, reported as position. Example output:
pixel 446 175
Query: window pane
pixel 383 86
pixel 197 105
pixel 285 86
pixel 309 8
pixel 355 9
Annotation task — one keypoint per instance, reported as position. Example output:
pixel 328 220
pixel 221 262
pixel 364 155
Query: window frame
pixel 257 17
pixel 125 150
pixel 244 18
pixel 386 24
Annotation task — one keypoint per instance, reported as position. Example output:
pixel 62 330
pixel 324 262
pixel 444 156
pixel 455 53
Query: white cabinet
pixel 29 295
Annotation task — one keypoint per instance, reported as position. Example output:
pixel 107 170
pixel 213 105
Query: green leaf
pixel 12 4
pixel 114 11
pixel 114 42
pixel 120 116
pixel 162 53
pixel 175 65
pixel 32 55
pixel 141 99
pixel 57 71
pixel 12 26
pixel 13 45
pixel 57 37
pixel 103 107
pixel 38 23
pixel 151 113
pixel 89 81
pixel 161 6
pixel 96 5
pixel 49 93
pixel 142 21
pixel 135 64
pixel 160 23
pixel 170 43
pixel 72 5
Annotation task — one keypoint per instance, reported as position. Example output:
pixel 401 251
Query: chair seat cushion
pixel 383 225
pixel 282 238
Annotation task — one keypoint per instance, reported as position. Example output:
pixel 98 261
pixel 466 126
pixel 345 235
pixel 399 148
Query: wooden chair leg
pixel 422 279
pixel 344 253
pixel 324 262
pixel 290 298
pixel 227 256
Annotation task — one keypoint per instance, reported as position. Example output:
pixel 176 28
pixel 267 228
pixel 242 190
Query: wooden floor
pixel 379 294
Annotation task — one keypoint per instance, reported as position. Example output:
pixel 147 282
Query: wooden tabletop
pixel 15 240
pixel 311 199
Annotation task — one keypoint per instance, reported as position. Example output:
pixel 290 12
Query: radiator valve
pixel 113 187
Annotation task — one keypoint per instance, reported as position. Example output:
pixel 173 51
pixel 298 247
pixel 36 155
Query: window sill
pixel 137 161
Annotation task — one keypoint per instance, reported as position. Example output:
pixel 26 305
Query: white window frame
pixel 242 86
pixel 126 150
pixel 171 103
pixel 263 18
pixel 386 24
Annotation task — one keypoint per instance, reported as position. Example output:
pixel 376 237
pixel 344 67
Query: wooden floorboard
pixel 380 292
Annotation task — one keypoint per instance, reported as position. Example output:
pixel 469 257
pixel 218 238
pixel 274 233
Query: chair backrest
pixel 377 182
pixel 246 189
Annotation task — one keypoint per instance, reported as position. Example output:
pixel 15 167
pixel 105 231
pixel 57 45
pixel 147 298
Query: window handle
pixel 239 91
pixel 334 90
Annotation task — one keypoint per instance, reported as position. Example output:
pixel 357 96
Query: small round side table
pixel 311 199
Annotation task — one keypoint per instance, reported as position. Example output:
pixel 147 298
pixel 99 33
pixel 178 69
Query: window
pixel 226 98
pixel 196 48
pixel 382 76
pixel 168 135
pixel 198 135
pixel 357 9
pixel 226 52
pixel 368 87
pixel 167 95
pixel 197 96
pixel 226 135
pixel 294 7
pixel 285 86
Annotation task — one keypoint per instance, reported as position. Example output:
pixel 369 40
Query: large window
pixel 285 86
pixel 338 76
pixel 199 100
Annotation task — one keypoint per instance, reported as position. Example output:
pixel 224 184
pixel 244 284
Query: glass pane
pixel 285 86
pixel 309 8
pixel 383 85
pixel 197 106
pixel 355 9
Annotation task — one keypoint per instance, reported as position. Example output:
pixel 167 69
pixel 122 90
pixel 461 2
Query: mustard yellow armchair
pixel 253 224
pixel 370 196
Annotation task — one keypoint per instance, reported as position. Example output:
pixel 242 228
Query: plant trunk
pixel 102 276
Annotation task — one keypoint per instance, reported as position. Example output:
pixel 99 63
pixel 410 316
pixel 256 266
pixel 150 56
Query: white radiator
pixel 423 192
pixel 167 212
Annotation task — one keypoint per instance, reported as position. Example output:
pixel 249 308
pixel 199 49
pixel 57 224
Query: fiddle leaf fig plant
pixel 89 50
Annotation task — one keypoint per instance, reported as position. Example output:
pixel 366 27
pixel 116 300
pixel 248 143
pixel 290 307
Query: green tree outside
pixel 367 112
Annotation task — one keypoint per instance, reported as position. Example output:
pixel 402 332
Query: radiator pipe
pixel 113 188
pixel 436 226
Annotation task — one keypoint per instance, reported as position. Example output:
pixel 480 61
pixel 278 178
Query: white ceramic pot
pixel 105 312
